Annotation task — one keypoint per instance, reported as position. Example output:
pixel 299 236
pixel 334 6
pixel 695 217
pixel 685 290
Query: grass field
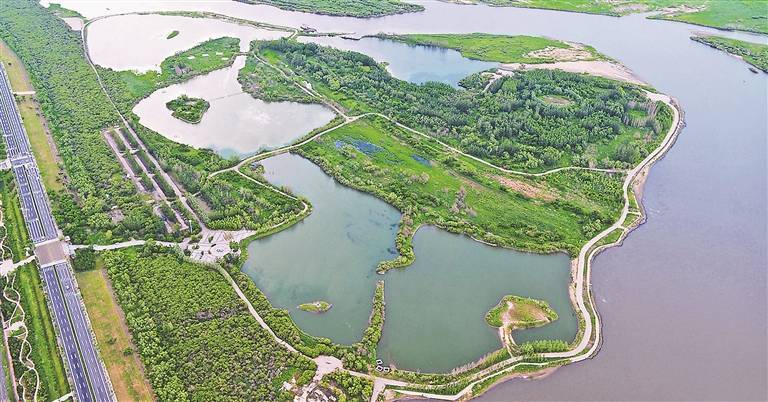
pixel 125 369
pixel 488 47
pixel 755 54
pixel 14 68
pixel 745 15
pixel 42 337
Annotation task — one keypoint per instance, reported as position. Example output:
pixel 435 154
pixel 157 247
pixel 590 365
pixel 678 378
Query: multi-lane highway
pixel 87 372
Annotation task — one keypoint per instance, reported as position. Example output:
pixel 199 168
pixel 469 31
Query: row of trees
pixel 76 110
pixel 511 123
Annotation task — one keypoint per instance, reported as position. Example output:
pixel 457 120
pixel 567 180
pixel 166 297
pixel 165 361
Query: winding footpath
pixel 584 305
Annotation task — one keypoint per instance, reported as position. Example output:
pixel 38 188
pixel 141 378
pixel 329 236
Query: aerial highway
pixel 91 382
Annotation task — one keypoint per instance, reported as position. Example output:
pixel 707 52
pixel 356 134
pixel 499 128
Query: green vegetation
pixel 319 306
pixel 543 346
pixel 346 387
pixel 13 230
pixel 84 259
pixel 172 35
pixel 62 12
pixel 114 339
pixel 755 54
pixel 195 336
pixel 743 15
pixel 188 166
pixel 350 8
pixel 432 185
pixel 42 338
pixel 188 109
pixel 500 48
pixel 508 124
pixel 76 110
pixel 521 313
pixel 233 202
pixel 262 81
pixel 128 87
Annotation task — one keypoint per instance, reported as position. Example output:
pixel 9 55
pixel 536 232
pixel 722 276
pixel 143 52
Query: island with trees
pixel 188 109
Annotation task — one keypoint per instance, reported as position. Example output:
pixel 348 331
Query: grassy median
pixel 115 344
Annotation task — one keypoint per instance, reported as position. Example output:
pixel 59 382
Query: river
pixel 683 301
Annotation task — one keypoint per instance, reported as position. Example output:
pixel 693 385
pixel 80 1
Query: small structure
pixel 308 29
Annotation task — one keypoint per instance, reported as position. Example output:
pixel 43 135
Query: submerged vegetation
pixel 349 8
pixel 500 48
pixel 188 109
pixel 505 121
pixel 755 54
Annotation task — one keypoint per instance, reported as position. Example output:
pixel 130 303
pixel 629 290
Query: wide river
pixel 683 301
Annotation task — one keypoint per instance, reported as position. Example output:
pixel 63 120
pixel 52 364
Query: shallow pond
pixel 236 123
pixel 417 64
pixel 443 295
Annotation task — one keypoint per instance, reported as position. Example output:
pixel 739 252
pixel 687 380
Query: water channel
pixel 683 301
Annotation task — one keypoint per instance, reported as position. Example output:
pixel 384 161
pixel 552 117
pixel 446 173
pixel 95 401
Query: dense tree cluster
pixel 76 110
pixel 352 8
pixel 234 202
pixel 195 336
pixel 510 123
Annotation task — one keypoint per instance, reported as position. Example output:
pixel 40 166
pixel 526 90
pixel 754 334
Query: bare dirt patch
pixel 573 53
pixel 600 68
pixel 526 189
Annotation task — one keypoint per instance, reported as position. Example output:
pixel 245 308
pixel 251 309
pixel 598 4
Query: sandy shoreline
pixel 599 68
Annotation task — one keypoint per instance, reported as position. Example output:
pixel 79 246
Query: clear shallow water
pixel 444 295
pixel 683 301
pixel 116 43
pixel 236 123
pixel 417 64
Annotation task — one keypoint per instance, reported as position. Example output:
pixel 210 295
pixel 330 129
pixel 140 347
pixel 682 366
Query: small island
pixel 318 307
pixel 515 312
pixel 172 35
pixel 188 109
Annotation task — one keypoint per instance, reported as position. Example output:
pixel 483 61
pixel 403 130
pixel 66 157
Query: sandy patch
pixel 600 68
pixel 526 189
pixel 561 54
pixel 682 9
pixel 631 8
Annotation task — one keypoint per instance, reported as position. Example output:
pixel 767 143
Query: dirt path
pixel 590 339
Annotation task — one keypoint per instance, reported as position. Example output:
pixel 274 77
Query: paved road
pixel 88 375
pixel 3 384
